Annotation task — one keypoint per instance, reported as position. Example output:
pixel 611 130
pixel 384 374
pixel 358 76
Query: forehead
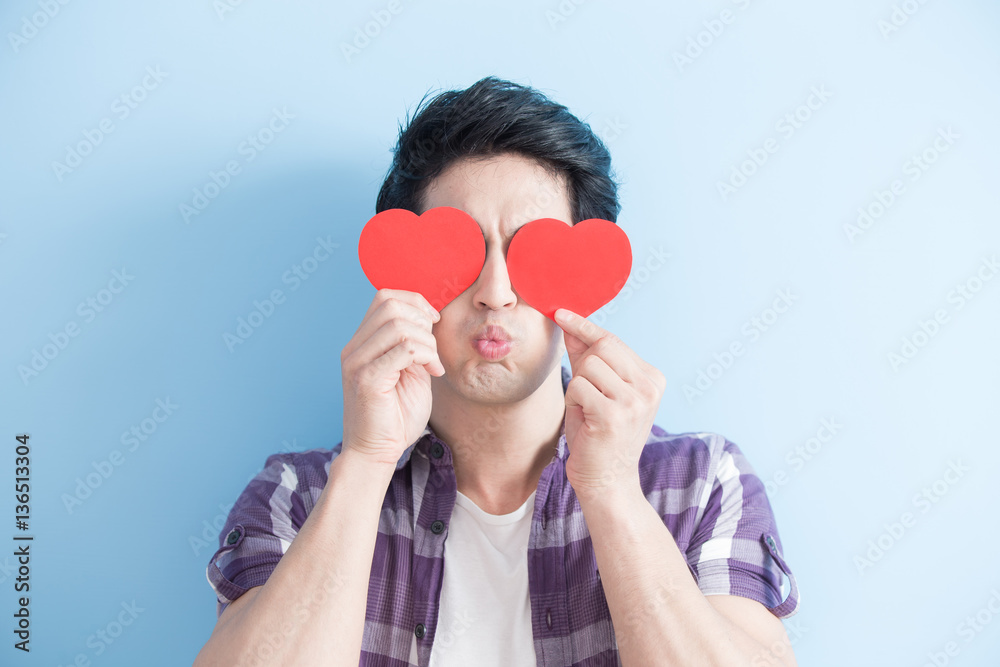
pixel 501 192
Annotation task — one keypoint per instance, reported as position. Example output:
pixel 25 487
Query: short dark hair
pixel 492 117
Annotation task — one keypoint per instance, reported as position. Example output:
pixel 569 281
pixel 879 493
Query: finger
pixel 390 334
pixel 580 392
pixel 574 346
pixel 597 371
pixel 619 356
pixel 387 309
pixel 397 360
pixel 607 346
pixel 579 326
pixel 415 299
pixel 580 335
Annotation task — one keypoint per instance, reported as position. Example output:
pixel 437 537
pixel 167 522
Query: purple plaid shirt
pixel 704 489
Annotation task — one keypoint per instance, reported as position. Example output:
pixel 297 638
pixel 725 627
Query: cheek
pixel 554 333
pixel 446 338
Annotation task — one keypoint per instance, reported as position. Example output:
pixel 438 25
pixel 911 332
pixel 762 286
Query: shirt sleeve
pixel 736 549
pixel 261 525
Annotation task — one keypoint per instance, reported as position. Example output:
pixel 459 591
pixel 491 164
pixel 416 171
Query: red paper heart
pixel 438 254
pixel 554 265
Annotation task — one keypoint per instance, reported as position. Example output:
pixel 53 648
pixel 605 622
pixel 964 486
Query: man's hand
pixel 611 403
pixel 387 367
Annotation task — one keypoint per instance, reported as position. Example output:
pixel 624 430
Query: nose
pixel 492 288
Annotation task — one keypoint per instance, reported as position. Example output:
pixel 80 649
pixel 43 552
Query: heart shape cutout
pixel 438 254
pixel 554 265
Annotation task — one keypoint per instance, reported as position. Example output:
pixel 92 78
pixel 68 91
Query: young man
pixel 488 506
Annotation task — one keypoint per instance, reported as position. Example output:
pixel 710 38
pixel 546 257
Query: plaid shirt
pixel 707 494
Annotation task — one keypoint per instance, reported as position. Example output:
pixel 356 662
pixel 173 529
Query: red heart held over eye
pixel 438 254
pixel 554 265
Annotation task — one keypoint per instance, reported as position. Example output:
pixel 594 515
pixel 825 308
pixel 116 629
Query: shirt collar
pixel 428 437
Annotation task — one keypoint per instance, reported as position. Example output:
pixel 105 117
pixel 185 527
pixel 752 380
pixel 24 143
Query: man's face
pixel 501 193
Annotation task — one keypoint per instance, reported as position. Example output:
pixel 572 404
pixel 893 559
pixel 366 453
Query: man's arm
pixel 660 616
pixel 311 610
pixel 659 613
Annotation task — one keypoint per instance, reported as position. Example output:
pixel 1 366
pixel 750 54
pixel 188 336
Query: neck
pixel 499 450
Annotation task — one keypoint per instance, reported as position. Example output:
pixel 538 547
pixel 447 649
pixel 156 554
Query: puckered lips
pixel 492 342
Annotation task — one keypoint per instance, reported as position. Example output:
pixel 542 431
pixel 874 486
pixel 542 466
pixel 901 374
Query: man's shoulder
pixel 683 458
pixel 662 446
pixel 313 465
pixel 307 465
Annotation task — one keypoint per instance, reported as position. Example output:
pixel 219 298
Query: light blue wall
pixel 675 130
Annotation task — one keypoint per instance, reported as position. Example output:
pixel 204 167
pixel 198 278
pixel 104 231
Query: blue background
pixel 675 129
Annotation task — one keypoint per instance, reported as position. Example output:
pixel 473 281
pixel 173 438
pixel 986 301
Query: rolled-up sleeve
pixel 261 525
pixel 735 549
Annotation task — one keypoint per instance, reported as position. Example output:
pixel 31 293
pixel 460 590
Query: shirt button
pixel 419 631
pixel 233 536
pixel 548 618
pixel 437 451
pixel 437 527
pixel 770 542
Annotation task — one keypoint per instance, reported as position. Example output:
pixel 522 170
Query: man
pixel 488 506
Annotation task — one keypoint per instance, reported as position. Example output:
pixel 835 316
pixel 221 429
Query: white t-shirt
pixel 485 614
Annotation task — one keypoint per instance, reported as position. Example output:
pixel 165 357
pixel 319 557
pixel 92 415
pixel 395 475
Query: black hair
pixel 493 117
